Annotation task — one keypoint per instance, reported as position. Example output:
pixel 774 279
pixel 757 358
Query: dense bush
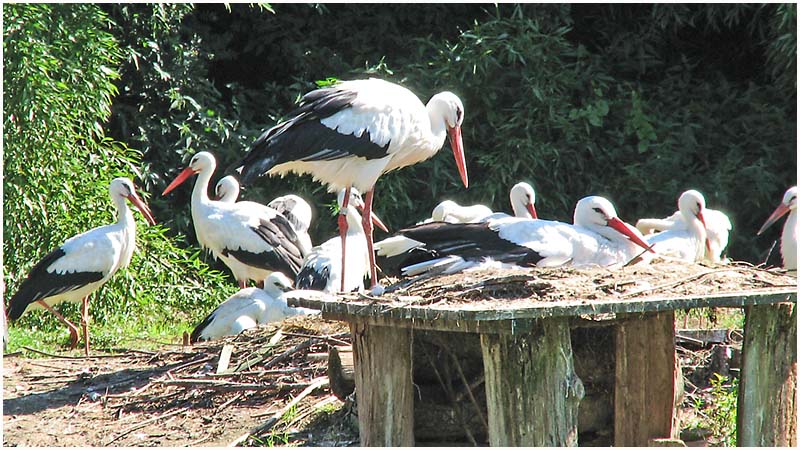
pixel 60 66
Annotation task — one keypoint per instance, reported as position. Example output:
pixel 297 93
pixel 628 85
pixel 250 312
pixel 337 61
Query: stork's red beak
pixel 458 153
pixel 777 214
pixel 703 221
pixel 142 207
pixel 531 210
pixel 183 176
pixel 623 228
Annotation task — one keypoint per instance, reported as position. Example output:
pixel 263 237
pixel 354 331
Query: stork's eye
pixel 459 115
pixel 597 210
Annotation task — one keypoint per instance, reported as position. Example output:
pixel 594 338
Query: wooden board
pixel 450 318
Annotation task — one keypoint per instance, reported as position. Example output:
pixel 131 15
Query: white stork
pixel 688 242
pixel 597 238
pixel 718 228
pixel 251 239
pixel 322 270
pixel 349 134
pixel 451 212
pixel 248 308
pixel 789 234
pixel 291 206
pixel 82 264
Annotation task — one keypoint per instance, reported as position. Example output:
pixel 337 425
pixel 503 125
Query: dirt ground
pixel 174 398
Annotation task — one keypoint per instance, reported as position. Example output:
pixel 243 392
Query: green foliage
pixel 61 65
pixel 722 411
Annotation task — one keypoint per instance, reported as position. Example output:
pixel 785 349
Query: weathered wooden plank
pixel 532 391
pixel 492 311
pixel 645 382
pixel 384 389
pixel 767 409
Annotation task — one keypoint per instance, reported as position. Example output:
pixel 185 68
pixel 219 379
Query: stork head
pixel 201 162
pixel 277 283
pixel 598 214
pixel 523 200
pixel 122 187
pixel 692 204
pixel 789 203
pixel 447 106
pixel 227 189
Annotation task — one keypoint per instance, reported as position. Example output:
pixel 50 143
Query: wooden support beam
pixel 532 391
pixel 767 409
pixel 645 381
pixel 384 389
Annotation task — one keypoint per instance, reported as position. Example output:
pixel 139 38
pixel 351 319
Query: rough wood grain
pixel 532 391
pixel 645 386
pixel 341 372
pixel 767 410
pixel 384 389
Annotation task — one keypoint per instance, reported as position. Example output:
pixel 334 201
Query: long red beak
pixel 458 153
pixel 532 210
pixel 777 214
pixel 142 207
pixel 623 228
pixel 183 176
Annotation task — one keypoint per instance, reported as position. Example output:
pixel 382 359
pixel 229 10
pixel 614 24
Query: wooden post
pixel 767 409
pixel 384 390
pixel 645 382
pixel 532 391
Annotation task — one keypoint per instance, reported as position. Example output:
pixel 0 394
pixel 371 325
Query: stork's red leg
pixel 85 324
pixel 260 284
pixel 342 220
pixel 242 284
pixel 367 221
pixel 73 330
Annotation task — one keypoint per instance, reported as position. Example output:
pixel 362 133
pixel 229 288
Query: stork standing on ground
pixel 597 238
pixel 789 234
pixel 690 242
pixel 82 264
pixel 322 269
pixel 251 239
pixel 248 308
pixel 349 134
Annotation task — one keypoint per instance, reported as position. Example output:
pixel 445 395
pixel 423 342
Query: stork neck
pixel 200 191
pixel 437 124
pixel 124 214
pixel 354 225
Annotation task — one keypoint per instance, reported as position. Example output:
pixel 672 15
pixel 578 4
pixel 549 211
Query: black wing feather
pixel 308 278
pixel 41 284
pixel 285 257
pixel 303 137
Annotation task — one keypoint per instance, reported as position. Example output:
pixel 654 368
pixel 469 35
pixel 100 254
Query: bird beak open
pixel 183 176
pixel 142 207
pixel 532 210
pixel 458 153
pixel 777 214
pixel 623 228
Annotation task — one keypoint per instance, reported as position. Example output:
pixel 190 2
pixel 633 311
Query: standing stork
pixel 789 234
pixel 82 264
pixel 349 134
pixel 251 239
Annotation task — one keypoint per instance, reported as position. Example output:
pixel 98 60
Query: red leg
pixel 342 220
pixel 260 284
pixel 242 284
pixel 85 324
pixel 73 330
pixel 367 221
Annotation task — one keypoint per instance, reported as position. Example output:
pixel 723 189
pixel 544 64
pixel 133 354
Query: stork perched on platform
pixel 349 134
pixel 82 264
pixel 789 234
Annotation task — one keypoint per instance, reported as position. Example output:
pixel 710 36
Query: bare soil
pixel 174 397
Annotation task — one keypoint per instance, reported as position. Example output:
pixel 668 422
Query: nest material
pixel 667 279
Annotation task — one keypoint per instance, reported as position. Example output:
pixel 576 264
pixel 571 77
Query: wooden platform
pixel 523 319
